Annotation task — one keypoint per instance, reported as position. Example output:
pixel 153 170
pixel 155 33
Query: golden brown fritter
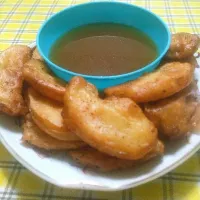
pixel 115 126
pixel 36 55
pixel 35 136
pixel 167 80
pixel 196 120
pixel 91 158
pixel 173 116
pixel 183 45
pixel 46 113
pixel 11 80
pixel 192 60
pixel 41 79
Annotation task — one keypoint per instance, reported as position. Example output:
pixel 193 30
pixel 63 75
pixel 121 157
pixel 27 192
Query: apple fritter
pixel 196 120
pixel 173 116
pixel 11 79
pixel 115 126
pixel 41 79
pixel 183 45
pixel 36 55
pixel 167 80
pixel 46 113
pixel 35 136
pixel 92 158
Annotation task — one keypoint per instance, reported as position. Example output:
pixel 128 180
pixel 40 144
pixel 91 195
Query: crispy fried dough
pixel 173 116
pixel 91 158
pixel 11 79
pixel 167 80
pixel 192 60
pixel 196 120
pixel 41 79
pixel 35 136
pixel 36 55
pixel 116 126
pixel 183 45
pixel 47 115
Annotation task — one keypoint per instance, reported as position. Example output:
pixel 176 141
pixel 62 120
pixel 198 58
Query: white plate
pixel 60 170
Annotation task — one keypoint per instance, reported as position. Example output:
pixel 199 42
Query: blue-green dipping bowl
pixel 104 12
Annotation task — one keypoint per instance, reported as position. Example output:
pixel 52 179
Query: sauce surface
pixel 103 49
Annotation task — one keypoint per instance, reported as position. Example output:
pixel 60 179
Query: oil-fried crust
pixel 173 116
pixel 47 114
pixel 92 158
pixel 167 80
pixel 115 126
pixel 36 55
pixel 183 45
pixel 35 136
pixel 41 79
pixel 11 79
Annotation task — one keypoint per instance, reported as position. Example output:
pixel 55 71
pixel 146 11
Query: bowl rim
pixel 139 71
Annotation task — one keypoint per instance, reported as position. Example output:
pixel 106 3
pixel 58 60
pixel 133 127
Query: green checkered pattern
pixel 19 22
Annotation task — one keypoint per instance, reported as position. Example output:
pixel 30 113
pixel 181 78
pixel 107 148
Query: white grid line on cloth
pixel 152 6
pixel 170 184
pixel 45 194
pixel 191 20
pixel 27 196
pixel 183 25
pixel 8 189
pixel 123 195
pixel 14 183
pixel 164 189
pixel 130 194
pixel 62 6
pixel 169 16
pixel 10 14
pixel 51 190
pixel 23 25
pixel 43 14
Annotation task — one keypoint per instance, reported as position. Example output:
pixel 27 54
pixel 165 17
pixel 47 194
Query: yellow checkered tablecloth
pixel 19 22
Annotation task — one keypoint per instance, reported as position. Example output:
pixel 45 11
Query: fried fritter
pixel 196 120
pixel 11 79
pixel 173 116
pixel 35 136
pixel 91 158
pixel 47 115
pixel 193 61
pixel 183 45
pixel 36 55
pixel 167 80
pixel 41 79
pixel 115 126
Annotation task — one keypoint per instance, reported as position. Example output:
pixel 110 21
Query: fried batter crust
pixel 36 55
pixel 115 126
pixel 183 45
pixel 92 158
pixel 35 136
pixel 167 80
pixel 173 116
pixel 42 80
pixel 11 79
pixel 46 113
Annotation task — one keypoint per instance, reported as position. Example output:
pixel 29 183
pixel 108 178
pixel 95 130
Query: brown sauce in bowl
pixel 103 49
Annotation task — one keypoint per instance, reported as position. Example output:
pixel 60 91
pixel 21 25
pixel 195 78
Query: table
pixel 19 22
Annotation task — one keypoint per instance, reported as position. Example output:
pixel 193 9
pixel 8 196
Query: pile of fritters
pixel 125 128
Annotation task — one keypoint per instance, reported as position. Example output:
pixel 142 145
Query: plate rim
pixel 91 186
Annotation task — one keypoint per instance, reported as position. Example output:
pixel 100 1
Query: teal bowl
pixel 104 12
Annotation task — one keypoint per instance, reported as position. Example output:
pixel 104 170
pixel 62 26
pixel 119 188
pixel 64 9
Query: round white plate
pixel 59 169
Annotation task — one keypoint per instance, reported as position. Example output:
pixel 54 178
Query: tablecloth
pixel 19 22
